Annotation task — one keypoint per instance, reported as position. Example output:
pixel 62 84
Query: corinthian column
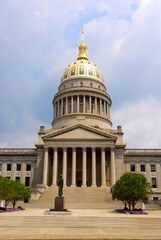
pixel 112 167
pixel 64 166
pixel 93 167
pixel 45 171
pixel 103 179
pixel 73 167
pixel 84 166
pixel 55 166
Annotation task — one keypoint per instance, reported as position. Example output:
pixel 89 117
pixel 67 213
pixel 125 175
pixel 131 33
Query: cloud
pixel 140 122
pixel 38 43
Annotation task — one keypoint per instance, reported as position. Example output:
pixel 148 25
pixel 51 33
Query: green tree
pixel 6 190
pixel 13 191
pixel 132 188
pixel 19 192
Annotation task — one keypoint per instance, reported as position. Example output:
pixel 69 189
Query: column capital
pixel 93 149
pixel 84 148
pixel 103 149
pixel 74 149
pixel 64 148
pixel 55 148
pixel 46 149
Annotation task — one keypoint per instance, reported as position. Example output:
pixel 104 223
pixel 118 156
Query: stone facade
pixel 81 144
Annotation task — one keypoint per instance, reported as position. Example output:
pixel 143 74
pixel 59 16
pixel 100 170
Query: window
pixel 152 168
pixel 64 106
pixel 18 167
pixel 132 168
pixel 80 104
pixel 28 167
pixel 154 184
pixel 27 181
pixel 17 178
pixel 142 168
pixel 8 167
pixel 69 104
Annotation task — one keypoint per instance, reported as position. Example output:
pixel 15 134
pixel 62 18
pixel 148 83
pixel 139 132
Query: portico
pixel 80 166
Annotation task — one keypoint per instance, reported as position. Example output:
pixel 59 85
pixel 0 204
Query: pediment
pixel 79 132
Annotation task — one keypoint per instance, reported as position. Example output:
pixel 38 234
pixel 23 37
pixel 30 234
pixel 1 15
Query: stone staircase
pixel 76 197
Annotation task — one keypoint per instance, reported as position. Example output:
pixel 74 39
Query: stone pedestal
pixel 59 204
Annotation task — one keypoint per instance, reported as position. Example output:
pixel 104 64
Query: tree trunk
pixel 14 203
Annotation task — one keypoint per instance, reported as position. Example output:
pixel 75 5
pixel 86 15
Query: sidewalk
pixel 80 224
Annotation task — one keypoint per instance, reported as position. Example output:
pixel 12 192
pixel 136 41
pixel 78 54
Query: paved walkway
pixel 80 224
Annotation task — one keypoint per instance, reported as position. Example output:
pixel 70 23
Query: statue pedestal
pixel 59 204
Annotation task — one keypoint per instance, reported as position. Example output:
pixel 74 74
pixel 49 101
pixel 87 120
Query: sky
pixel 39 38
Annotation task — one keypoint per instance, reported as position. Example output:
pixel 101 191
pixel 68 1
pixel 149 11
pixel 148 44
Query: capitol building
pixel 81 145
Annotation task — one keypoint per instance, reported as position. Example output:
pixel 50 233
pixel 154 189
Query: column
pixel 55 166
pixel 64 166
pixel 103 168
pixel 100 106
pixel 23 172
pixel 45 170
pixel 77 104
pixel 95 105
pixel 66 109
pixel 112 167
pixel 32 173
pixel 84 169
pixel 62 107
pixel 89 104
pixel 158 169
pixel 148 172
pixel 4 169
pixel 73 167
pixel 58 108
pixel 72 104
pixel 84 104
pixel 104 108
pixel 137 167
pixel 93 167
pixel 109 109
pixel 127 167
pixel 13 171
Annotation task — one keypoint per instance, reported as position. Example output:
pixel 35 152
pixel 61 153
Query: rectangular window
pixel 98 106
pixel 80 104
pixel 28 167
pixel 69 105
pixel 154 184
pixel 8 167
pixel 74 104
pixel 17 178
pixel 152 168
pixel 92 104
pixel 142 168
pixel 64 106
pixel 27 181
pixel 132 168
pixel 18 167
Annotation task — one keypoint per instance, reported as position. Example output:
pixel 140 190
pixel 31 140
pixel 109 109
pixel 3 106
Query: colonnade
pixel 82 104
pixel 84 167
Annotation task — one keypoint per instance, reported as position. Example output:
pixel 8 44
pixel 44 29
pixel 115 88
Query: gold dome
pixel 82 67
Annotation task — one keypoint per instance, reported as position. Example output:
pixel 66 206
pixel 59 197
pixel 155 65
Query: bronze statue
pixel 60 185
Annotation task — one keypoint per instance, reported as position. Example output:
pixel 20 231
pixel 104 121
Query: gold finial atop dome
pixel 82 49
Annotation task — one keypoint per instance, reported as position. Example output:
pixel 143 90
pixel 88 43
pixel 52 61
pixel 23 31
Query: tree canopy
pixel 13 191
pixel 131 188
